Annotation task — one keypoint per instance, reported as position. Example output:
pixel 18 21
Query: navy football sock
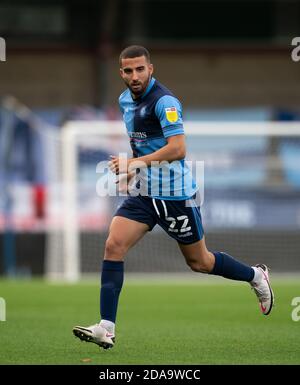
pixel 228 267
pixel 111 284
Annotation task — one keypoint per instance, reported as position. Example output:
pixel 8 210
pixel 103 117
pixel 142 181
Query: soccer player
pixel 153 118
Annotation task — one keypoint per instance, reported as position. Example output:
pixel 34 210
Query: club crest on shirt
pixel 171 114
pixel 143 111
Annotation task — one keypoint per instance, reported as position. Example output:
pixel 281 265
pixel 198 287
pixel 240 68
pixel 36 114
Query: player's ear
pixel 151 68
pixel 121 72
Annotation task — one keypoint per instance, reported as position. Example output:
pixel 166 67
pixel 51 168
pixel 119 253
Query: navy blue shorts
pixel 181 219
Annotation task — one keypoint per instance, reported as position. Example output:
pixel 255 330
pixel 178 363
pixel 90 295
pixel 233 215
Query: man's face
pixel 136 73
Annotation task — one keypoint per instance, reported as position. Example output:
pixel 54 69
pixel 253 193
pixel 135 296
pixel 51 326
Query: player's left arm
pixel 173 150
pixel 168 111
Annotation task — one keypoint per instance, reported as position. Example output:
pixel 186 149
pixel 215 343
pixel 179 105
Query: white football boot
pixel 96 334
pixel 263 290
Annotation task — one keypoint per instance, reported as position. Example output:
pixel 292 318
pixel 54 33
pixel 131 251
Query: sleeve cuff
pixel 173 130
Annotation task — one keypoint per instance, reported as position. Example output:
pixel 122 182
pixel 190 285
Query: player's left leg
pixel 182 221
pixel 200 259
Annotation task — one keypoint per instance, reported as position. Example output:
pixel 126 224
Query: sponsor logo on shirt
pixel 137 135
pixel 171 114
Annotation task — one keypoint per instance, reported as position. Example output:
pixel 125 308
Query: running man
pixel 153 118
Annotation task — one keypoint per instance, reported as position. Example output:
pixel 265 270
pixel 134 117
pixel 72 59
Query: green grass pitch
pixel 197 322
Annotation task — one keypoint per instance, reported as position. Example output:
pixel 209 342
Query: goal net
pixel 249 177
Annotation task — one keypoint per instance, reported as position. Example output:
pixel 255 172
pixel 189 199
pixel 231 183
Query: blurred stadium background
pixel 229 62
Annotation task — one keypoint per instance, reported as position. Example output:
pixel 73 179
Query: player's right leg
pixel 124 233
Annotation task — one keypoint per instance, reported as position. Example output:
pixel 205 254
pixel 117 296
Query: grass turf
pixel 158 323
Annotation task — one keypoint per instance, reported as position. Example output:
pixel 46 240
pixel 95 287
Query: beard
pixel 138 88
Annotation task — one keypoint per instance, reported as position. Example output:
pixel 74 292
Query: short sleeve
pixel 120 105
pixel 169 112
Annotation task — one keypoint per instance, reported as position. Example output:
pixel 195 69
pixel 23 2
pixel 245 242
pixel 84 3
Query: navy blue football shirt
pixel 150 120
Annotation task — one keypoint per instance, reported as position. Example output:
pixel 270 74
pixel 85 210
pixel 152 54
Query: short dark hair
pixel 134 51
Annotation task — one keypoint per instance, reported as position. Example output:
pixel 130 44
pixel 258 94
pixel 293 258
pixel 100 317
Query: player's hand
pixel 118 165
pixel 123 182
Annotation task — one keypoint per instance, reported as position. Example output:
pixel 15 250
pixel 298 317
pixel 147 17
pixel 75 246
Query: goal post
pixel 71 230
pixel 238 159
pixel 71 136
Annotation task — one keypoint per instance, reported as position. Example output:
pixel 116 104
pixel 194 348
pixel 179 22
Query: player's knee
pixel 203 265
pixel 199 268
pixel 114 248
